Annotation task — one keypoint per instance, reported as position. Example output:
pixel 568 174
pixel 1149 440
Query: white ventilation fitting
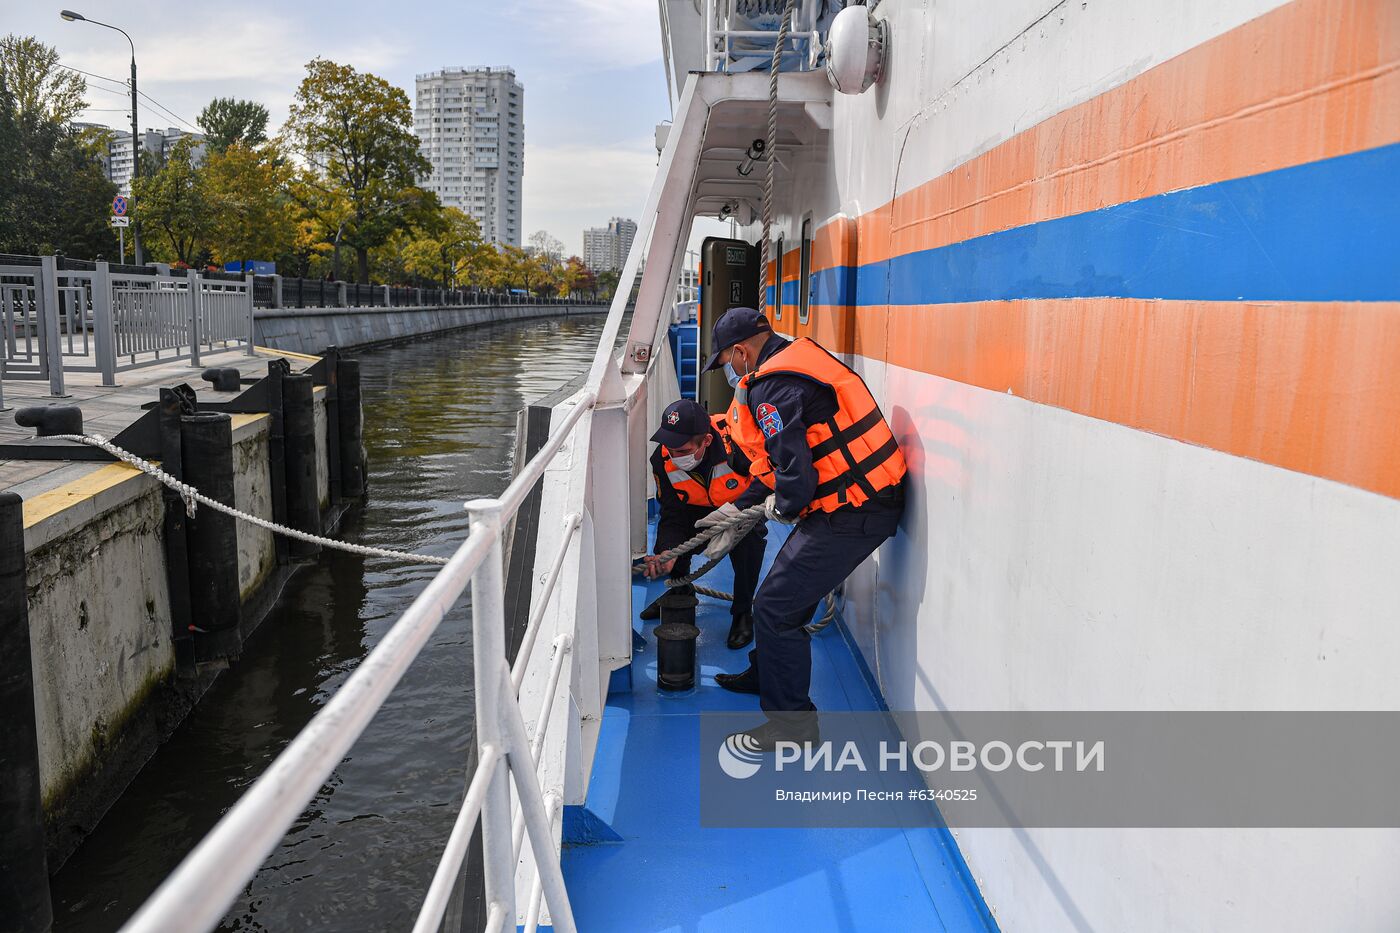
pixel 855 50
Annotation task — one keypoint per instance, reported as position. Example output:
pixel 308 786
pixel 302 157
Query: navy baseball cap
pixel 680 422
pixel 735 325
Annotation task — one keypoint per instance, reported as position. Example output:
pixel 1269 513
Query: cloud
pixel 592 35
pixel 263 60
pixel 568 188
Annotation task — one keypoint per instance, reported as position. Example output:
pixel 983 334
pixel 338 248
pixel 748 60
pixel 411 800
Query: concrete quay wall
pixel 107 686
pixel 312 330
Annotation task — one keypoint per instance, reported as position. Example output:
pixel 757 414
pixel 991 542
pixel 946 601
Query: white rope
pixel 192 497
pixel 770 153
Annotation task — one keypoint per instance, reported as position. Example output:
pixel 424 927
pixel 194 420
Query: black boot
pixel 802 730
pixel 740 630
pixel 747 682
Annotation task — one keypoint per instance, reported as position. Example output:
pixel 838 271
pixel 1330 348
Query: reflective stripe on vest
pixel 854 452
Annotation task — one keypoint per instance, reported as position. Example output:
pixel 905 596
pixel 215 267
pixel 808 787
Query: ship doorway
pixel 729 280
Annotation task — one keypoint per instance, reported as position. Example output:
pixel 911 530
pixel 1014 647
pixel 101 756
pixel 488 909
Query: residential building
pixel 154 144
pixel 471 128
pixel 606 248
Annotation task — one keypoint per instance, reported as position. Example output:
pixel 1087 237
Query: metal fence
pixel 69 316
pixel 277 291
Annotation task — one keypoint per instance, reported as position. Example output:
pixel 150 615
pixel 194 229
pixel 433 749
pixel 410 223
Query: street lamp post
pixel 72 17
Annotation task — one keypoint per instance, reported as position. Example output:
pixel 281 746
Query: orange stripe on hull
pixel 1310 387
pixel 1308 81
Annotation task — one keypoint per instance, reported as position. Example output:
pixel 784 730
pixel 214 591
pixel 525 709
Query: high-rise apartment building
pixel 116 162
pixel 471 126
pixel 606 248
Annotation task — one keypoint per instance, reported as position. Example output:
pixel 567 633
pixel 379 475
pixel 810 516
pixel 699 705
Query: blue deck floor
pixel 669 874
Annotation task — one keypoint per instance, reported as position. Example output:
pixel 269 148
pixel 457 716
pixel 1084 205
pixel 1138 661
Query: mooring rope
pixel 770 153
pixel 193 497
pixel 745 521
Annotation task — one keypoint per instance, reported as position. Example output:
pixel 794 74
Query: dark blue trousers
pixel 821 552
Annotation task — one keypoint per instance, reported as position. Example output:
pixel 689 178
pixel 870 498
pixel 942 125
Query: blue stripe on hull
pixel 1324 231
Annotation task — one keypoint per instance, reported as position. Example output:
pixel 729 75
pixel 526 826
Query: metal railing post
pixel 489 668
pixel 104 329
pixel 276 291
pixel 192 277
pixel 248 281
pixel 46 295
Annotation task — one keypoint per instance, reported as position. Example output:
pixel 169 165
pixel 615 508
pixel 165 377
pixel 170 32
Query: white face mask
pixel 691 461
pixel 687 463
pixel 733 375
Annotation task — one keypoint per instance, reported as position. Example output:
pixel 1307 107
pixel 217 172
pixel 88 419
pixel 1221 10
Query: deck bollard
pixel 24 874
pixel 223 380
pixel 675 640
pixel 299 446
pixel 49 420
pixel 206 454
pixel 352 429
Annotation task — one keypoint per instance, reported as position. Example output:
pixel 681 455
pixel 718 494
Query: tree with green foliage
pixel 451 251
pixel 607 282
pixel 356 130
pixel 40 87
pixel 253 214
pixel 54 196
pixel 226 121
pixel 177 211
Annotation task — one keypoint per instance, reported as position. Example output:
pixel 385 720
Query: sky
pixel 594 82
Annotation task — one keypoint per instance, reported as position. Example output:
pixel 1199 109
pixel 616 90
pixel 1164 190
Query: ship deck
pixel 668 873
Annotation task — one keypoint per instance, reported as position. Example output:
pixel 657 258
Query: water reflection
pixel 440 420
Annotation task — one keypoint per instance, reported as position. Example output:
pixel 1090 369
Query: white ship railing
pixel 537 722
pixel 725 21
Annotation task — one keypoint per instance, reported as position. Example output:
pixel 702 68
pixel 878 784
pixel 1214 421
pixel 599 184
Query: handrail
pixel 445 877
pixel 205 884
pixel 532 628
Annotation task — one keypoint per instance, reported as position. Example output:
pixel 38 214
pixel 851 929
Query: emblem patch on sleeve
pixel 768 419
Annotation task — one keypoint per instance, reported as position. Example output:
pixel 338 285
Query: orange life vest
pixel 855 452
pixel 725 484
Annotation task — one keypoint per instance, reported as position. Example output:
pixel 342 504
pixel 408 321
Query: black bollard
pixel 352 430
pixel 675 640
pixel 51 419
pixel 176 402
pixel 277 370
pixel 299 444
pixel 223 380
pixel 24 874
pixel 206 454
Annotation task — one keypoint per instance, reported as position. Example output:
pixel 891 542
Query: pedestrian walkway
pixel 107 410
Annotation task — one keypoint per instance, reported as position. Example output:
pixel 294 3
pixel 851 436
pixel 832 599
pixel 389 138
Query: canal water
pixel 439 428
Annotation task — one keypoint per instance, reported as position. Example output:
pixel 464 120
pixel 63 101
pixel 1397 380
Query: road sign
pixel 121 221
pixel 119 205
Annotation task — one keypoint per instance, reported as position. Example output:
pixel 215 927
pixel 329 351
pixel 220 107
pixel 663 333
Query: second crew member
pixel 694 477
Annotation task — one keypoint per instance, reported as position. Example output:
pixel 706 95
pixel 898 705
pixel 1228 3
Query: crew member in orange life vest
pixel 694 477
pixel 825 461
